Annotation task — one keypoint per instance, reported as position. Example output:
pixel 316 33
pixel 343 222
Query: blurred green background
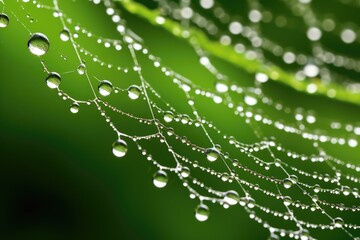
pixel 59 177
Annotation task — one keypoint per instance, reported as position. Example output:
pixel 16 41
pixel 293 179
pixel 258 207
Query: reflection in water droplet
pixel 160 179
pixel 53 80
pixel 4 20
pixel 119 148
pixel 38 44
pixel 105 88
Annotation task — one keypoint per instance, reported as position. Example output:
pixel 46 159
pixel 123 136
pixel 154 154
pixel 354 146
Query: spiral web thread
pixel 267 169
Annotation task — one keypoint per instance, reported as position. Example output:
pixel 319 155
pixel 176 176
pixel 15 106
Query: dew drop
pixel 168 116
pixel 287 183
pixel 231 197
pixel 212 154
pixel 134 92
pixel 338 222
pixel 53 80
pixel 202 213
pixel 287 201
pixel 105 88
pixel 185 172
pixel 65 35
pixel 119 148
pixel 160 179
pixel 221 86
pixel 250 100
pixel 38 44
pixel 74 108
pixel 4 20
pixel 81 69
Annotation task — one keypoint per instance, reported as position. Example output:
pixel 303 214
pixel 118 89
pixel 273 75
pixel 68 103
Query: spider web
pixel 228 144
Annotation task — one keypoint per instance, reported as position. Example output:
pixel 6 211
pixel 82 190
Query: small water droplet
pixel 105 88
pixel 134 92
pixel 81 69
pixel 287 183
pixel 212 154
pixel 338 222
pixel 160 179
pixel 119 148
pixel 185 172
pixel 53 80
pixel 231 197
pixel 38 44
pixel 65 35
pixel 74 108
pixel 202 212
pixel 168 116
pixel 4 20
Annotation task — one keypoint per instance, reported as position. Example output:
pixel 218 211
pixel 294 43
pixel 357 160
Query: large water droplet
pixel 202 213
pixel 338 222
pixel 53 80
pixel 38 44
pixel 185 172
pixel 287 183
pixel 119 148
pixel 160 179
pixel 134 92
pixel 65 35
pixel 231 197
pixel 105 88
pixel 212 154
pixel 168 116
pixel 4 20
pixel 81 69
pixel 74 108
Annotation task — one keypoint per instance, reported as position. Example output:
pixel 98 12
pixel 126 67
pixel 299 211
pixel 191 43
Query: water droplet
pixel 4 20
pixel 250 100
pixel 134 92
pixel 105 88
pixel 202 212
pixel 81 69
pixel 185 172
pixel 38 44
pixel 287 201
pixel 160 179
pixel 287 183
pixel 338 222
pixel 65 35
pixel 231 197
pixel 212 154
pixel 221 86
pixel 168 116
pixel 53 80
pixel 119 148
pixel 74 108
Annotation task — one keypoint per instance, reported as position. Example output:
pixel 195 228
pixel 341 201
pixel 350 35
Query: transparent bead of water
pixel 202 212
pixel 74 108
pixel 338 222
pixel 287 201
pixel 105 88
pixel 65 35
pixel 287 183
pixel 168 116
pixel 221 86
pixel 53 80
pixel 212 154
pixel 160 179
pixel 231 197
pixel 134 92
pixel 38 44
pixel 81 69
pixel 185 172
pixel 4 20
pixel 119 148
